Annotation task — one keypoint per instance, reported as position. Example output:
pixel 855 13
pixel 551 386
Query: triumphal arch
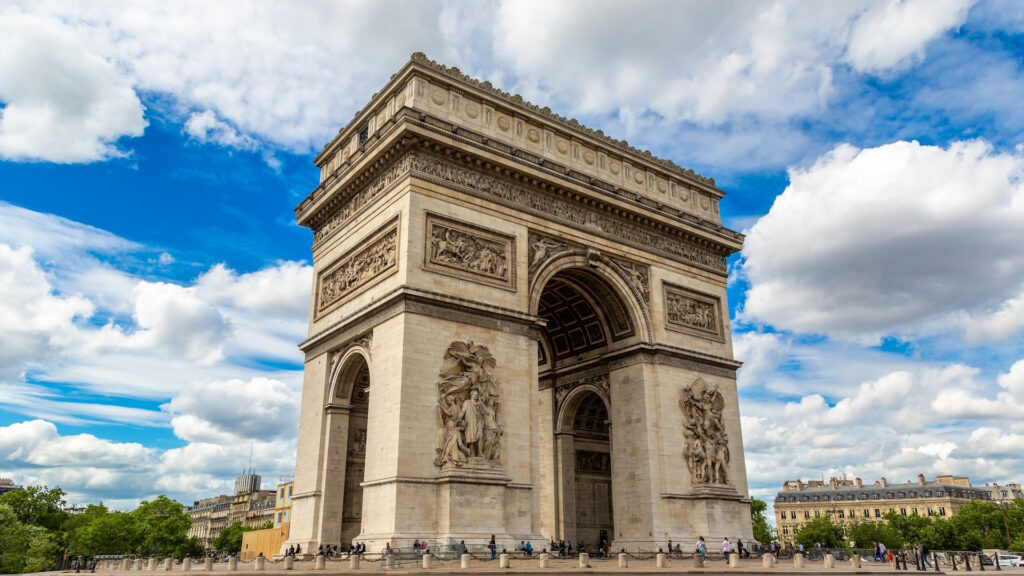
pixel 519 327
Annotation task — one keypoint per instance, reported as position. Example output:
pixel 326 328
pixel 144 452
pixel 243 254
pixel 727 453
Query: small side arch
pixel 569 405
pixel 345 369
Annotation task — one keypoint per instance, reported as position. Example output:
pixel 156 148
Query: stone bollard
pixel 584 560
pixel 503 560
pixel 698 562
pixel 545 560
pixel 466 561
pixel 260 563
pixel 798 561
pixel 734 560
pixel 623 560
pixel 168 564
pixel 830 561
pixel 660 560
pixel 186 564
pixel 855 561
pixel 126 565
pixel 289 562
pixel 152 564
pixel 321 562
pixel 208 565
pixel 767 561
pixel 428 561
pixel 353 562
pixel 233 564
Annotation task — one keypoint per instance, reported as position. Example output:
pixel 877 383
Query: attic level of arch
pixel 393 158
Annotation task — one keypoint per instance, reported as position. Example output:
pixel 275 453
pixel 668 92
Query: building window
pixel 931 511
pixel 785 530
pixel 792 514
pixel 913 511
pixel 867 513
pixel 942 511
pixel 841 514
pixel 807 513
pixel 878 513
pixel 903 511
pixel 876 496
pixel 853 513
pixel 817 514
pixel 290 487
pixel 364 135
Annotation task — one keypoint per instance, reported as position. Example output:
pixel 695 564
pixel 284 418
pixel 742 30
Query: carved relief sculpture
pixel 692 312
pixel 591 462
pixel 470 252
pixel 707 444
pixel 373 258
pixel 469 408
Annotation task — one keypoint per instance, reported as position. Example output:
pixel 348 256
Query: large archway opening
pixel 355 389
pixel 588 315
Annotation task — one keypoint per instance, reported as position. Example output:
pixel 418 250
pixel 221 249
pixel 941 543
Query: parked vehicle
pixel 1011 560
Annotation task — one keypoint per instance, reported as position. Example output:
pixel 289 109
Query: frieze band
pixel 693 312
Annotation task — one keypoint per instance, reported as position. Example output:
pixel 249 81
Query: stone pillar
pixel 698 562
pixel 623 560
pixel 126 564
pixel 545 560
pixel 584 560
pixel 353 562
pixel 428 561
pixel 659 560
pixel 734 560
pixel 168 564
pixel 152 564
pixel 289 562
pixel 259 563
pixel 233 563
pixel 798 561
pixel 208 564
pixel 466 561
pixel 186 564
pixel 503 560
pixel 767 561
pixel 321 562
pixel 830 561
pixel 855 561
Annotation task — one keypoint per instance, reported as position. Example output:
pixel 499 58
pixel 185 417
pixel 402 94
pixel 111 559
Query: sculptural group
pixel 468 408
pixel 707 444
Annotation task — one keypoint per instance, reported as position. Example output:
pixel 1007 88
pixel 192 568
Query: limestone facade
pixel 846 501
pixel 518 327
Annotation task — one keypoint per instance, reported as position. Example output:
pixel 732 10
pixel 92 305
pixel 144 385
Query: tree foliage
pixel 162 526
pixel 230 539
pixel 763 532
pixel 24 547
pixel 38 506
pixel 820 531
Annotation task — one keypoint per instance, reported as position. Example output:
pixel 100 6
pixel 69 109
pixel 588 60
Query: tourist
pixel 670 547
pixel 320 550
pixel 291 551
pixel 529 549
pixel 462 545
pixel 726 548
pixel 416 545
pixel 740 550
pixel 922 550
pixel 493 546
pixel 387 548
pixel 801 548
pixel 882 551
pixel 702 549
pixel 878 553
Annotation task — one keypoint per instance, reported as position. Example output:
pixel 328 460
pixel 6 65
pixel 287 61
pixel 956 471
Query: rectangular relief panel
pixel 358 269
pixel 693 312
pixel 470 252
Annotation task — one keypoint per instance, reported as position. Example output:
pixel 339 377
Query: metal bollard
pixel 208 565
pixel 623 560
pixel 545 560
pixel 855 561
pixel 935 561
pixel 289 562
pixel 233 564
pixel 584 560
pixel 466 561
pixel 428 561
pixel 168 564
pixel 260 563
pixel 981 563
pixel 830 560
pixel 186 564
pixel 967 562
pixel 996 555
pixel 798 561
pixel 353 562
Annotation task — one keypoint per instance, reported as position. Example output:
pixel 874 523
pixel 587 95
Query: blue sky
pixel 153 282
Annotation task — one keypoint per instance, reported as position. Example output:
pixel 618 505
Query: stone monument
pixel 518 327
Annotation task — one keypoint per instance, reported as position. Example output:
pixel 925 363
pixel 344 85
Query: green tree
pixel 980 525
pixel 190 548
pixel 763 532
pixel 230 539
pixel 98 530
pixel 24 547
pixel 821 531
pixel 864 533
pixel 940 534
pixel 907 528
pixel 161 524
pixel 39 506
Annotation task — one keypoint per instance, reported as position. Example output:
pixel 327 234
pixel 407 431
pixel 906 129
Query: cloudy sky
pixel 153 283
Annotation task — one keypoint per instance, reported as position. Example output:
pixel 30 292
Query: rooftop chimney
pixel 860 483
pixel 920 479
pixel 884 482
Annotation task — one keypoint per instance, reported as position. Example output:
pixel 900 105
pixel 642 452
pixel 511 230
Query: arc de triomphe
pixel 519 327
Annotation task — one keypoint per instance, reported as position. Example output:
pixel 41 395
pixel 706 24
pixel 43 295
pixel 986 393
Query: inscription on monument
pixel 372 259
pixel 693 312
pixel 470 252
pixel 707 444
pixel 469 408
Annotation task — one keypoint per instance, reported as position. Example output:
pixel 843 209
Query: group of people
pixel 292 550
pixel 726 548
pixel 334 551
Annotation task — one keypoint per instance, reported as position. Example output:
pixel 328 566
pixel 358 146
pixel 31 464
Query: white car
pixel 1011 560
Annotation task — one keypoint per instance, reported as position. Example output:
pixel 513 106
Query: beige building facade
pixel 518 327
pixel 846 501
